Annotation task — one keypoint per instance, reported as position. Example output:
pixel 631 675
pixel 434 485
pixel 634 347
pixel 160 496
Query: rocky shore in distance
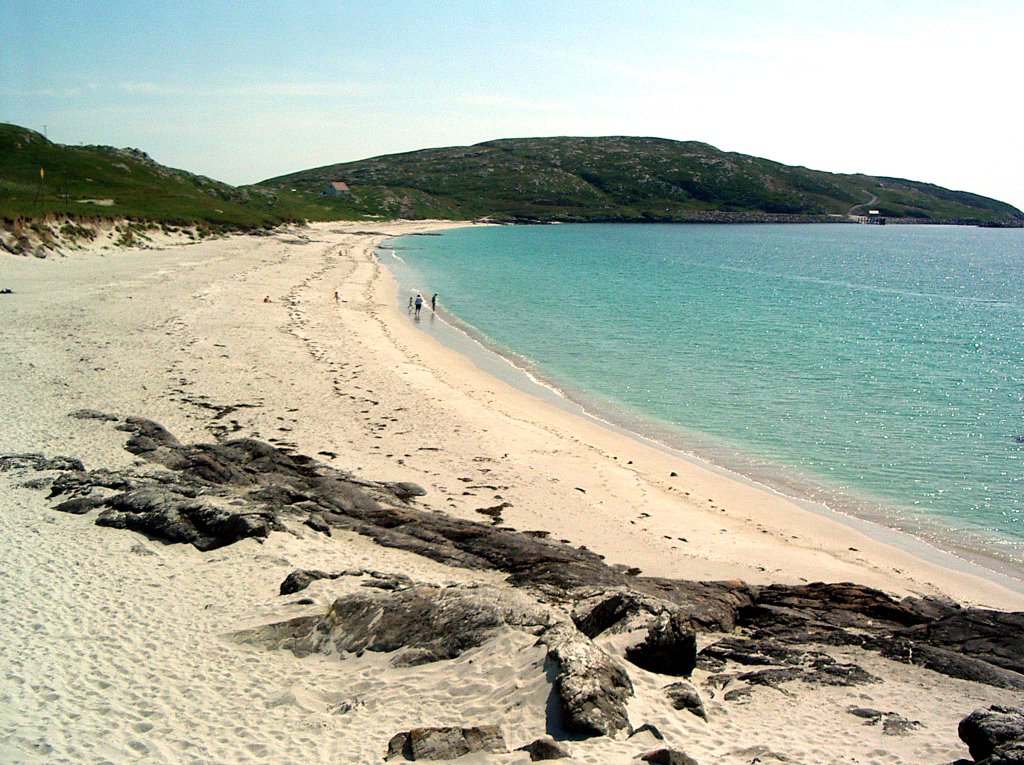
pixel 596 626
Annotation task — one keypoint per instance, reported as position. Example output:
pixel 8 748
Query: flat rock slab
pixel 419 625
pixel 445 743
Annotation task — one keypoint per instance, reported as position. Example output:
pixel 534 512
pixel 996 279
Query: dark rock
pixel 79 505
pixel 738 694
pixel 300 579
pixel 592 689
pixel 994 636
pixel 845 604
pixel 752 652
pixel 682 695
pixel 897 725
pixel 172 517
pixel 597 611
pixel 667 757
pixel 445 743
pixel 545 749
pixel 947 662
pixel 494 512
pixel 39 482
pixel 712 606
pixel 811 667
pixel 670 647
pixel 872 716
pixel 825 670
pixel 421 624
pixel 79 483
pixel 92 414
pixel 214 494
pixel 995 735
pixel 595 615
pixel 772 678
pixel 404 489
pixel 893 724
pixel 34 461
pixel 388 581
pixel 147 435
pixel 318 523
pixel 648 728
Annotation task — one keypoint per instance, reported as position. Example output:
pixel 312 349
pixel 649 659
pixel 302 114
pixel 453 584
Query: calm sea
pixel 877 370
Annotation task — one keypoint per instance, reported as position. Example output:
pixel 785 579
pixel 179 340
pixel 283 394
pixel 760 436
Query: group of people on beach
pixel 416 304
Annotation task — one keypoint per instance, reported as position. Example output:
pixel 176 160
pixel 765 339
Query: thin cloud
pixel 41 92
pixel 488 101
pixel 149 88
pixel 302 89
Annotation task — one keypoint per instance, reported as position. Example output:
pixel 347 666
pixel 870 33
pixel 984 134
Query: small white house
pixel 335 188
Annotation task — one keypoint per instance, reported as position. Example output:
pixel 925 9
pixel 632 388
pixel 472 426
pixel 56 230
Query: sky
pixel 247 90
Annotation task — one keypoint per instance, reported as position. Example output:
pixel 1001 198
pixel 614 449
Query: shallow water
pixel 879 370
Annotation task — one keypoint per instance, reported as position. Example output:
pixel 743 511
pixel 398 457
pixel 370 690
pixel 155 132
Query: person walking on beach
pixel 337 297
pixel 410 304
pixel 433 302
pixel 419 304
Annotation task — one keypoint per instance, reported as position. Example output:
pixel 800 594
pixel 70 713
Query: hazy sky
pixel 245 90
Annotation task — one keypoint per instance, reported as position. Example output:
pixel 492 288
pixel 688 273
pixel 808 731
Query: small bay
pixel 878 370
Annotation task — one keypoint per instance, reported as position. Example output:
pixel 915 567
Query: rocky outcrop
pixel 591 687
pixel 418 625
pixel 778 664
pixel 300 579
pixel 39 462
pixel 426 623
pixel 682 695
pixel 445 743
pixel 669 648
pixel 930 632
pixel 893 724
pixel 163 514
pixel 994 736
pixel 214 494
pixel 666 757
pixel 668 644
pixel 993 636
pixel 545 749
pixel 944 661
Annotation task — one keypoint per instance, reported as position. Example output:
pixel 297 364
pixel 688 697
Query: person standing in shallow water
pixel 419 304
pixel 433 302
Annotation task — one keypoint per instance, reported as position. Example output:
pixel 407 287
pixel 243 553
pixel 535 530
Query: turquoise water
pixel 879 370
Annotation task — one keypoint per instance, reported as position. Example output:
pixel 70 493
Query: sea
pixel 876 371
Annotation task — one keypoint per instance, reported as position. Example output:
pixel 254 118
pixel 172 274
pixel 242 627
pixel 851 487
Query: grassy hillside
pixel 101 181
pixel 618 178
pixel 538 179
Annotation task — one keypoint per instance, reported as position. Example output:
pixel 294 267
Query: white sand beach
pixel 114 648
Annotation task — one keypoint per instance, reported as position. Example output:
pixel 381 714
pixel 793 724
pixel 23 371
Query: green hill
pixel 625 179
pixel 526 179
pixel 101 181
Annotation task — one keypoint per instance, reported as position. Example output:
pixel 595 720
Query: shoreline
pixel 490 360
pixel 117 646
